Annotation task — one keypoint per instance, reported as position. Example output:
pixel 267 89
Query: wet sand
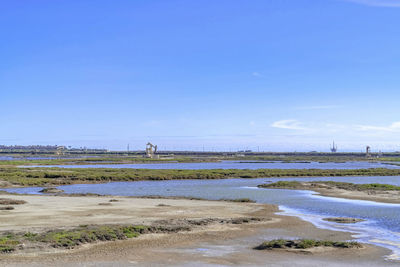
pixel 214 244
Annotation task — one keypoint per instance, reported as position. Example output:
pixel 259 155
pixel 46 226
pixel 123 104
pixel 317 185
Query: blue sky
pixel 276 75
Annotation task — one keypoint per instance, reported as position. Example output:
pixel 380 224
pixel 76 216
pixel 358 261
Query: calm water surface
pixel 382 225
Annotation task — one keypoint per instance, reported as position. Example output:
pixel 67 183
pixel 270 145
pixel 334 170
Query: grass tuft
pixel 305 244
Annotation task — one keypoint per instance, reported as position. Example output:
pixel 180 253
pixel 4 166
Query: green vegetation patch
pixel 242 200
pixel 71 238
pixel 86 234
pixel 305 244
pixel 105 160
pixel 323 184
pixel 74 237
pixel 8 243
pixel 8 201
pixel 343 220
pixel 362 187
pixel 62 176
pixel 283 184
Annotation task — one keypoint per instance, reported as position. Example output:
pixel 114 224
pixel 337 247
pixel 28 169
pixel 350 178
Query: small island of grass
pixel 343 220
pixel 305 244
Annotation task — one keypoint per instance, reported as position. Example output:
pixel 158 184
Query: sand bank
pixel 330 189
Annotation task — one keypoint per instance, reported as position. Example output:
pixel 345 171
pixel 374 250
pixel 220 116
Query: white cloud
pixel 331 128
pixel 394 127
pixel 381 3
pixel 288 124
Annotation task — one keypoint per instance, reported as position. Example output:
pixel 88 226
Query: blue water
pixel 43 158
pixel 237 165
pixel 6 158
pixel 382 225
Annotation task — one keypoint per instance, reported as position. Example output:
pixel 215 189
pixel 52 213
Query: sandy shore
pixel 372 195
pixel 377 196
pixel 213 244
pixel 49 212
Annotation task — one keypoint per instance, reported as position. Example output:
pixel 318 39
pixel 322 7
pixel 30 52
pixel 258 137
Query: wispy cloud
pixel 394 127
pixel 317 107
pixel 256 74
pixel 288 124
pixel 313 128
pixel 379 3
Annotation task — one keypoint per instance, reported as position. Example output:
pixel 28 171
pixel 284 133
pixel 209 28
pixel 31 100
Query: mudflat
pixel 48 212
pixel 221 233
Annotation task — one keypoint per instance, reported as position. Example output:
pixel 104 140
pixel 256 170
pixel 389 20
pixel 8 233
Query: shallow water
pixel 382 225
pixel 237 165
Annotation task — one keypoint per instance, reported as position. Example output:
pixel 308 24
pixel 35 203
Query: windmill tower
pixel 334 147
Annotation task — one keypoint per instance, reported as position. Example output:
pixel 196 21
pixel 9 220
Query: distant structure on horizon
pixel 368 151
pixel 60 150
pixel 151 150
pixel 334 147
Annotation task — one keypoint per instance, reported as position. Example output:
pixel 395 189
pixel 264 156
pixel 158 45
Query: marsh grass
pixel 339 185
pixel 7 208
pixel 363 187
pixel 83 234
pixel 283 184
pixel 106 160
pixel 241 200
pixel 57 176
pixel 74 237
pixel 8 243
pixel 305 244
pixel 8 201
